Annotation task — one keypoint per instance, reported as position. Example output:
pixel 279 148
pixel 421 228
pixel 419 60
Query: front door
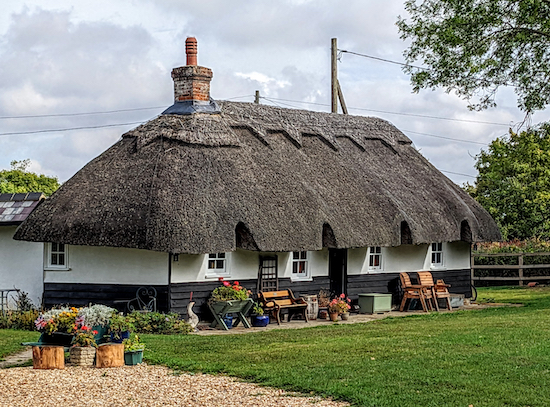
pixel 267 274
pixel 338 271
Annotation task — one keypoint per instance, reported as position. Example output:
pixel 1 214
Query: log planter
pixel 110 355
pixel 48 357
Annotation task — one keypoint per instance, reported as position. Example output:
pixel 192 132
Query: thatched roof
pixel 262 178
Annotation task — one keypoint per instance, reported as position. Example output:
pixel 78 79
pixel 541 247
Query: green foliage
pixel 473 47
pixel 120 323
pixel 257 309
pixel 22 320
pixel 513 183
pixel 493 357
pixel 85 336
pixel 18 180
pixel 133 343
pixel 10 340
pixel 228 292
pixel 158 323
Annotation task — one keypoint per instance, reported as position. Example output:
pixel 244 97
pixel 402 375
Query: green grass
pixel 492 357
pixel 10 341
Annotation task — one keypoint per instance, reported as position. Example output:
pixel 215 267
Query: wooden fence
pixel 520 266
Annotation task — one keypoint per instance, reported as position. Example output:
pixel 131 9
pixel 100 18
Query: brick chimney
pixel 191 82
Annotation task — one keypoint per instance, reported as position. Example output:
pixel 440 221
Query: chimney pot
pixel 191 50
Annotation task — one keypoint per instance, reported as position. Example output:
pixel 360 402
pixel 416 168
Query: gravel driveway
pixel 140 385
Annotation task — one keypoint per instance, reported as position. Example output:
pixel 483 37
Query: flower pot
pixel 132 358
pixel 345 316
pixel 228 320
pixel 323 314
pixel 118 337
pixel 260 320
pixel 82 355
pixel 101 332
pixel 334 316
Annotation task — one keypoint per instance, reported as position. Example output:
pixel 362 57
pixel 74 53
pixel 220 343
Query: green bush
pixel 158 323
pixel 22 320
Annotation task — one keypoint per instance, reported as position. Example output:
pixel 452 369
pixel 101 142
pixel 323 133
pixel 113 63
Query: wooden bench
pixel 275 301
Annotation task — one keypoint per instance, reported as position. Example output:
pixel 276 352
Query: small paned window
pixel 437 254
pixel 299 265
pixel 57 256
pixel 375 258
pixel 216 262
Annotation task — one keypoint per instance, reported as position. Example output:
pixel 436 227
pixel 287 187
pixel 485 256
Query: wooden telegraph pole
pixel 336 91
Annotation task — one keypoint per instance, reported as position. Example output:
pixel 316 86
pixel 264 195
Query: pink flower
pixel 342 295
pixel 235 283
pixel 226 283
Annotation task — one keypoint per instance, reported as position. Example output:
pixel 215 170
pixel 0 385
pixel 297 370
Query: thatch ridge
pixel 261 177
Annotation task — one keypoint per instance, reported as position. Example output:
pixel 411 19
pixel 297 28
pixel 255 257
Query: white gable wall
pixel 21 265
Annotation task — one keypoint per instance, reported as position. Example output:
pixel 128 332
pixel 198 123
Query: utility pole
pixel 257 97
pixel 336 91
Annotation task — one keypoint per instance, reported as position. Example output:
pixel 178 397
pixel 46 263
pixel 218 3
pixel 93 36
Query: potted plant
pixel 97 317
pixel 133 350
pixel 119 327
pixel 82 353
pixel 339 306
pixel 230 298
pixel 258 318
pixel 58 326
pixel 323 301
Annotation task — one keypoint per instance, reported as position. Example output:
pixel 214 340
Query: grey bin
pixel 374 303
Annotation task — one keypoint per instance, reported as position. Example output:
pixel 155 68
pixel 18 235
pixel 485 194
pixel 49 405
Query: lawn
pixel 10 340
pixel 492 357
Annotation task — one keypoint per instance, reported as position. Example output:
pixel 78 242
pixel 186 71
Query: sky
pixel 75 75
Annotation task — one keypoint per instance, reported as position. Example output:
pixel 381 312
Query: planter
pixel 345 316
pixel 134 357
pixel 323 314
pixel 101 333
pixel 221 309
pixel 82 355
pixel 57 338
pixel 333 316
pixel 110 355
pixel 259 320
pixel 118 337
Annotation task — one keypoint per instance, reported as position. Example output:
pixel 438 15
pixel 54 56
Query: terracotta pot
pixel 334 316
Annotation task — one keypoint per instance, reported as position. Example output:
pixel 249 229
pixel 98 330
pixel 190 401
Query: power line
pixel 81 114
pixel 69 129
pixel 457 173
pixel 400 114
pixel 446 138
pixel 385 60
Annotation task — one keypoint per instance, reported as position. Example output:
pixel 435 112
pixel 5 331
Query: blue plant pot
pixel 260 320
pixel 121 336
pixel 228 320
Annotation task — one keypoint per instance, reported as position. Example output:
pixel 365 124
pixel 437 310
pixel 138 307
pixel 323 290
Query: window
pixel 437 254
pixel 217 265
pixel 375 258
pixel 300 270
pixel 57 256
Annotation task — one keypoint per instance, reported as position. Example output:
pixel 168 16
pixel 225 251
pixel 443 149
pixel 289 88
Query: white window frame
pixel 300 261
pixel 217 272
pixel 375 253
pixel 52 249
pixel 437 258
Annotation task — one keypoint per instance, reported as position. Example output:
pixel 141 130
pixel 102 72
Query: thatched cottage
pixel 259 194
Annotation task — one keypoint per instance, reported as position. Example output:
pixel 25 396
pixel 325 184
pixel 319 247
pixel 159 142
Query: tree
pixel 513 184
pixel 473 47
pixel 18 179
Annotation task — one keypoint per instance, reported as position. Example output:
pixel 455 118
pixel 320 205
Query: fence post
pixel 520 271
pixel 472 262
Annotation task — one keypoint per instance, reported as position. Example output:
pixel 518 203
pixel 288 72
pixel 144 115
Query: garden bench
pixel 275 301
pixel 47 340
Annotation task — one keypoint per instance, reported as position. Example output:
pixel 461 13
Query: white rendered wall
pixel 110 265
pixel 21 265
pixel 243 265
pixel 456 256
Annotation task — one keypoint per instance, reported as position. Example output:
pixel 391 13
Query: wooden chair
pixel 414 292
pixel 438 289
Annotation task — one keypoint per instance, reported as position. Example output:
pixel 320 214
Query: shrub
pixel 159 323
pixel 23 320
